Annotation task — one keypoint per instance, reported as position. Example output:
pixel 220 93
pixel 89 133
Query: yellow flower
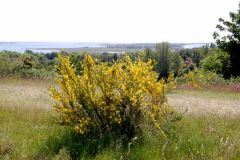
pixel 164 135
pixel 103 91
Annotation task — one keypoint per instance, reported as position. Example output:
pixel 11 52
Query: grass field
pixel 209 130
pixel 203 102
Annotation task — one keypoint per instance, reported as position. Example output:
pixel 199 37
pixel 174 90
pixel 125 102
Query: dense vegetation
pixel 39 65
pixel 231 42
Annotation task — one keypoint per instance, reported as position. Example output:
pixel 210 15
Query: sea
pixel 51 46
pixel 38 46
pixel 191 46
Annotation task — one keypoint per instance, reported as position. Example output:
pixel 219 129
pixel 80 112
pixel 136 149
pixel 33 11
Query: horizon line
pixel 100 42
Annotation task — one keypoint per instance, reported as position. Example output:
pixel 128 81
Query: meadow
pixel 208 130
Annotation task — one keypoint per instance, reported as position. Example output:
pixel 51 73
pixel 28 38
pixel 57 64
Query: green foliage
pixel 35 65
pixel 185 53
pixel 27 65
pixel 166 61
pixel 76 62
pixel 191 67
pixel 196 56
pixel 149 54
pixel 51 56
pixel 176 63
pixel 231 42
pixel 212 45
pixel 115 57
pixel 163 59
pixel 29 51
pixel 217 62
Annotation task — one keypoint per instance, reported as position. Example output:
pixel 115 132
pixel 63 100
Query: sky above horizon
pixel 129 21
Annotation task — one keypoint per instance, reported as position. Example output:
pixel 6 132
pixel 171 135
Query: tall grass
pixel 27 131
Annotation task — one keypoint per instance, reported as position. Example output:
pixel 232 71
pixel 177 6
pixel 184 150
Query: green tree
pixel 206 48
pixel 231 42
pixel 115 57
pixel 212 45
pixel 104 57
pixel 162 58
pixel 28 51
pixel 51 56
pixel 196 56
pixel 185 53
pixel 149 53
pixel 217 62
pixel 176 63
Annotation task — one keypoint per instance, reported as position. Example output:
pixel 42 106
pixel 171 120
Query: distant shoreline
pixel 45 47
pixel 112 50
pixel 91 50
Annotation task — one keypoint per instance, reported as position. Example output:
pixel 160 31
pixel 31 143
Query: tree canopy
pixel 231 42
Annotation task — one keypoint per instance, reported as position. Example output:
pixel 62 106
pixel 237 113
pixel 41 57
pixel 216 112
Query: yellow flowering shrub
pixel 110 98
pixel 195 78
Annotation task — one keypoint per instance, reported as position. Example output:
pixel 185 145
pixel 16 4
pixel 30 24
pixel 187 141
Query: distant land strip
pixel 93 50
pixel 122 48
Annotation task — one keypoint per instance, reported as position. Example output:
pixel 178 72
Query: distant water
pixel 190 46
pixel 34 46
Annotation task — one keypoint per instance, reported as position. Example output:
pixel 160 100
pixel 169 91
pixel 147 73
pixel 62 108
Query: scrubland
pixel 208 130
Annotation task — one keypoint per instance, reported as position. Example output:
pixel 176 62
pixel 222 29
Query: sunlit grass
pixel 25 93
pixel 200 102
pixel 27 131
pixel 205 137
pixel 23 131
pixel 208 94
pixel 24 117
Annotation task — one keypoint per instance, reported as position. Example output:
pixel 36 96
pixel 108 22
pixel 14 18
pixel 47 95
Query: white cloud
pixel 112 20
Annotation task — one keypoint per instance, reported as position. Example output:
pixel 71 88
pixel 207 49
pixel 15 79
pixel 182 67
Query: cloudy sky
pixel 112 20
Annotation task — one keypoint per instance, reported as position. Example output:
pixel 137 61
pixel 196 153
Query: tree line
pixel 40 65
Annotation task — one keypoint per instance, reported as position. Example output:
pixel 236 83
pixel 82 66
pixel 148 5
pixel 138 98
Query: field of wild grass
pixel 208 130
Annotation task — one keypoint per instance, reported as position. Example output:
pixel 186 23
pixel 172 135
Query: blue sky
pixel 112 20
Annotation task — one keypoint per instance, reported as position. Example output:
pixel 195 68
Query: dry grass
pixel 231 88
pixel 25 93
pixel 26 128
pixel 29 93
pixel 25 117
pixel 202 102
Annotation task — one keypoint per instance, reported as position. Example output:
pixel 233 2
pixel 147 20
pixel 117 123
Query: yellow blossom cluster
pixel 196 79
pixel 105 97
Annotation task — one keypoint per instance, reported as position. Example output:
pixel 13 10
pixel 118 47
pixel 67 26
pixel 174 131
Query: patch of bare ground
pixel 206 102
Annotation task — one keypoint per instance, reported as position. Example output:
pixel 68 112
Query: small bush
pixel 110 99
